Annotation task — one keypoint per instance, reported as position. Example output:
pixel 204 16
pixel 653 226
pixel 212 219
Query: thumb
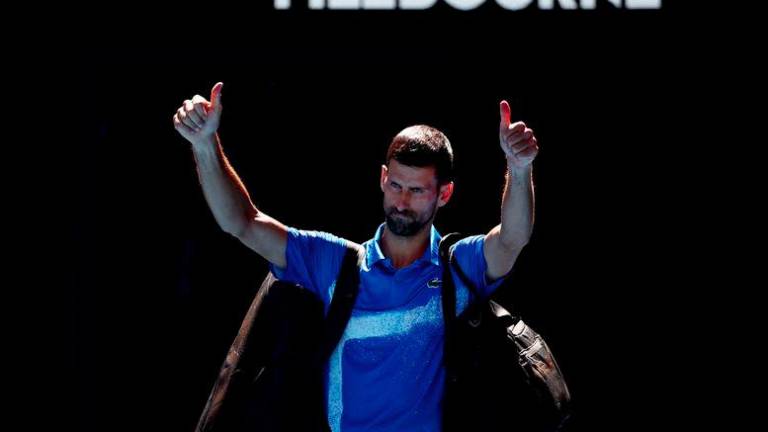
pixel 216 97
pixel 506 112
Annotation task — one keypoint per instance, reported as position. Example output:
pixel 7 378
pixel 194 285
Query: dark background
pixel 311 100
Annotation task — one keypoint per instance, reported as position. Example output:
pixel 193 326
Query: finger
pixel 513 138
pixel 518 146
pixel 514 128
pixel 200 103
pixel 216 97
pixel 506 113
pixel 526 146
pixel 181 127
pixel 186 120
pixel 196 119
pixel 189 107
pixel 528 153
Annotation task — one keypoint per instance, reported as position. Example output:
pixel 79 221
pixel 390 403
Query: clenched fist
pixel 197 120
pixel 517 140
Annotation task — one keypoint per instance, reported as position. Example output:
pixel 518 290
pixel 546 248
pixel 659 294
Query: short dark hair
pixel 423 146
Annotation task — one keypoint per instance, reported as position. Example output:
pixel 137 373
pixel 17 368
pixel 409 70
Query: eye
pixel 394 185
pixel 417 190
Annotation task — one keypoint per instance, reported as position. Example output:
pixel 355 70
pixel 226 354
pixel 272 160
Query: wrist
pixel 205 144
pixel 518 170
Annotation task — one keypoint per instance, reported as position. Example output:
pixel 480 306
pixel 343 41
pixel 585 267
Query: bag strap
pixel 448 287
pixel 449 262
pixel 344 296
pixel 508 318
pixel 448 291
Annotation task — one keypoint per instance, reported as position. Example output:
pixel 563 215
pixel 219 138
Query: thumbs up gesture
pixel 198 120
pixel 518 142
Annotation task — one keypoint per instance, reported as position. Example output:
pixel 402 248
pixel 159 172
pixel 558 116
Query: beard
pixel 407 223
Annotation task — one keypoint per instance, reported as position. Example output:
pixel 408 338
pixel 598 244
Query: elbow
pixel 233 230
pixel 515 235
pixel 508 239
pixel 514 245
pixel 236 229
pixel 515 242
pixel 238 226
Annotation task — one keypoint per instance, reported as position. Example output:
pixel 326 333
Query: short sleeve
pixel 313 260
pixel 468 253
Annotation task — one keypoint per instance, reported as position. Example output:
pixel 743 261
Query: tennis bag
pixel 272 377
pixel 500 373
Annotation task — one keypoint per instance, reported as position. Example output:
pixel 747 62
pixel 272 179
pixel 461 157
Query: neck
pixel 402 251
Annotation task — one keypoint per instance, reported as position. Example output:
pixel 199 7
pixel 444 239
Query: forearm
pixel 223 190
pixel 517 207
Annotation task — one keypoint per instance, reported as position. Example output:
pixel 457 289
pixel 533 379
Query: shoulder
pixel 468 246
pixel 319 238
pixel 318 247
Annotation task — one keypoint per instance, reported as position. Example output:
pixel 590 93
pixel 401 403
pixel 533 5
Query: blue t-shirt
pixel 387 372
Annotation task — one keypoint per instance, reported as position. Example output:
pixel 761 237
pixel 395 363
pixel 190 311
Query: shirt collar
pixel 374 253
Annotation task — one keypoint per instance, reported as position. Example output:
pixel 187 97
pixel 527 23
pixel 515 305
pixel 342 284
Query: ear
pixel 446 191
pixel 383 178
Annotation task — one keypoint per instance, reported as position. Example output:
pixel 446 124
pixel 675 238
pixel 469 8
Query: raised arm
pixel 505 241
pixel 197 121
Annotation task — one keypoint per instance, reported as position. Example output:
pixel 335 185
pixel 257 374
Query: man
pixel 387 371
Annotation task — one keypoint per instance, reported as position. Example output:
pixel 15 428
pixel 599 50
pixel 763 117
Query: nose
pixel 403 201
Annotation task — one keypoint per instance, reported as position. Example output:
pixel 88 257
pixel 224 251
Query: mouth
pixel 402 216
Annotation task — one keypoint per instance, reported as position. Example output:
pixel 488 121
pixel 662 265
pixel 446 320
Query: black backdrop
pixel 311 100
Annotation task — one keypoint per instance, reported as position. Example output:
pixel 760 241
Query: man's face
pixel 411 197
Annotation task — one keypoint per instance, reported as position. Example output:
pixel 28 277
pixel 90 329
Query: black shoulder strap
pixel 344 295
pixel 449 263
pixel 448 291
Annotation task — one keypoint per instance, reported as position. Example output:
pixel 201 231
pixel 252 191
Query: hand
pixel 198 120
pixel 517 141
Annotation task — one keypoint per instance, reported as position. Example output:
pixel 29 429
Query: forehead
pixel 412 176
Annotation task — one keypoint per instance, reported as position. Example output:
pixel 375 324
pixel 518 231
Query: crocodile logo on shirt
pixel 435 283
